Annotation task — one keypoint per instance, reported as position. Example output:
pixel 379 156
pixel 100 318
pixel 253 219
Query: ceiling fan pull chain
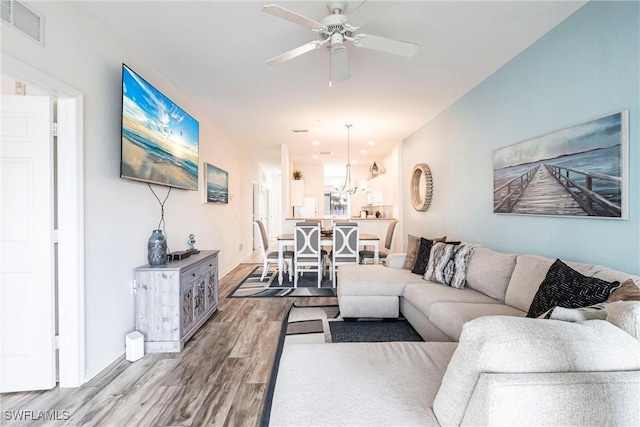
pixel 330 61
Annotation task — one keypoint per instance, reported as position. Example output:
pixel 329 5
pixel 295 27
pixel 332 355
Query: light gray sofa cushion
pixel 503 344
pixel 559 399
pixel 372 384
pixel 625 315
pixel 528 274
pixel 450 317
pixel 373 280
pixel 611 275
pixel 423 295
pixel 489 272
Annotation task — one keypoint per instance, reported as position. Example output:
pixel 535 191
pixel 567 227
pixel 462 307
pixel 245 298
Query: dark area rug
pixel 251 286
pixel 373 331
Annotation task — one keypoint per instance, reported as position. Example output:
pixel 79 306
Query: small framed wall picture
pixel 216 184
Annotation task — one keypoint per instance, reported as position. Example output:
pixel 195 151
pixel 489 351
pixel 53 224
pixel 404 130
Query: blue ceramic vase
pixel 157 247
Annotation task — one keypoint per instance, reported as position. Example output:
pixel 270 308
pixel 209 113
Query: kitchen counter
pixel 340 219
pixel 371 219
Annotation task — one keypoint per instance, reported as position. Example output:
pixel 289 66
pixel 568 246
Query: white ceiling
pixel 215 52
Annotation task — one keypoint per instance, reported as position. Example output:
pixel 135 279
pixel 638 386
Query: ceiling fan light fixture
pixel 335 30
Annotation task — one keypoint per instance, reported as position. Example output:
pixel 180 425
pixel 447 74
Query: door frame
pixel 70 175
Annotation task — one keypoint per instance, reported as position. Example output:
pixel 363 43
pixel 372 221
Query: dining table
pixel 326 239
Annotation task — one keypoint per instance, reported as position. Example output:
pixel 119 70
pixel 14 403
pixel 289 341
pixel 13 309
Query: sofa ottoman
pixel 371 290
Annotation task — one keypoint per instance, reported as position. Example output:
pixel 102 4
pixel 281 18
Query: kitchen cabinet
pixel 297 192
pixel 380 191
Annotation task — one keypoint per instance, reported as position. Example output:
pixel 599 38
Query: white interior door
pixel 256 215
pixel 27 310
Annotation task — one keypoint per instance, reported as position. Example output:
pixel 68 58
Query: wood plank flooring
pixel 218 379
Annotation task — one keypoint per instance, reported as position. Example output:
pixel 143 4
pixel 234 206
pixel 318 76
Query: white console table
pixel 175 299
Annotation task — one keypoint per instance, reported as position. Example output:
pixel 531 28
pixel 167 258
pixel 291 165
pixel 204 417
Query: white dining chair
pixel 367 254
pixel 269 257
pixel 308 254
pixel 346 236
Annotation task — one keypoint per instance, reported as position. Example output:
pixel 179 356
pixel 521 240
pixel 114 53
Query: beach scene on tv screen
pixel 159 140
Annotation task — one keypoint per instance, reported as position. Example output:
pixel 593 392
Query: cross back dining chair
pixel 269 257
pixel 367 254
pixel 308 254
pixel 346 236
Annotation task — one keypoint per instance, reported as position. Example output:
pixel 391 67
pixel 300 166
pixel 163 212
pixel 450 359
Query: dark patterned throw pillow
pixel 423 256
pixel 565 287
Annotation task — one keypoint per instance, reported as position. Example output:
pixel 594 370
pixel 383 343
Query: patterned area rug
pixel 323 324
pixel 251 286
pixel 311 324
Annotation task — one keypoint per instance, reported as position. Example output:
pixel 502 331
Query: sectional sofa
pixel 496 284
pixel 483 362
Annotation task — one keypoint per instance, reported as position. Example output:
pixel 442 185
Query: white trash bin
pixel 135 346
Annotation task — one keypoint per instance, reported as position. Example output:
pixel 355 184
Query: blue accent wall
pixel 585 68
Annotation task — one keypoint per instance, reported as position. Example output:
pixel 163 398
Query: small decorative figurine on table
pixel 191 242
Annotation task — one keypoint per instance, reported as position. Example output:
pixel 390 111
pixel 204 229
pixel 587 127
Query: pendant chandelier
pixel 348 187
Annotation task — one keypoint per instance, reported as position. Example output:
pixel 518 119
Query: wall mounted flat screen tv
pixel 159 139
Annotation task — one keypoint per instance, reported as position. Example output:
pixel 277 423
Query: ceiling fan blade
pixel 384 44
pixel 340 64
pixel 296 18
pixel 295 52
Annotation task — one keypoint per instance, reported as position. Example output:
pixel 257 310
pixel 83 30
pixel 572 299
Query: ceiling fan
pixel 335 32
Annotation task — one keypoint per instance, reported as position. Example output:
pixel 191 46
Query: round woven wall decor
pixel 421 177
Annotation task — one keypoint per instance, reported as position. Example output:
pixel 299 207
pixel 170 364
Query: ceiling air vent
pixel 24 19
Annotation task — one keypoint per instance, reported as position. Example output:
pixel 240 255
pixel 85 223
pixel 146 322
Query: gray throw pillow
pixel 627 291
pixel 413 248
pixel 413 245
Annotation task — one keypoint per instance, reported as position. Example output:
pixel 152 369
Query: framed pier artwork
pixel 580 171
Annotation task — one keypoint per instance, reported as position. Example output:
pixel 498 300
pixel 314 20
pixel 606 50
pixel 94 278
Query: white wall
pixel 120 214
pixel 585 68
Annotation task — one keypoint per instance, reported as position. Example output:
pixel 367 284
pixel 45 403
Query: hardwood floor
pixel 218 379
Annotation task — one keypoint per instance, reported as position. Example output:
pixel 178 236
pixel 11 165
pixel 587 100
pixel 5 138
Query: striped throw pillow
pixel 448 264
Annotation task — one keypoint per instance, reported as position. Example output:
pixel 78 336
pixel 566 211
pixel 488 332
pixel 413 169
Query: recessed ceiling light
pixel 363 151
pixel 354 162
pixel 371 143
pixel 314 157
pixel 315 143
